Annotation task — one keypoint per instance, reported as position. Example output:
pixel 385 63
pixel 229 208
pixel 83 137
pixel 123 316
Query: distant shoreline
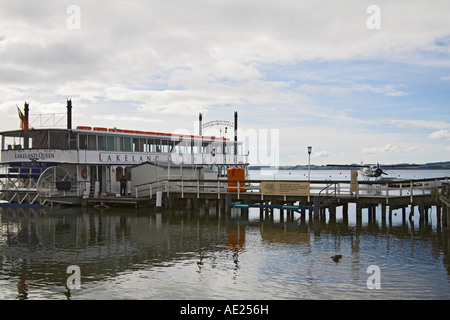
pixel 426 166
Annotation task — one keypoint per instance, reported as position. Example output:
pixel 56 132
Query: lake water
pixel 342 174
pixel 207 254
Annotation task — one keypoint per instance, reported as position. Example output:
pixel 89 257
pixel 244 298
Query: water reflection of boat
pixel 236 238
pixel 131 253
pixel 39 247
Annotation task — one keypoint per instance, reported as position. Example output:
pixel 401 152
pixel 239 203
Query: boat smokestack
pixel 69 114
pixel 235 131
pixel 235 125
pixel 26 110
pixel 200 118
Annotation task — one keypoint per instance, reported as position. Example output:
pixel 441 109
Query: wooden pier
pixel 319 197
pixel 444 198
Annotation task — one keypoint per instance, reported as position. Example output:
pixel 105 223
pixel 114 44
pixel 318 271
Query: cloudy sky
pixel 352 80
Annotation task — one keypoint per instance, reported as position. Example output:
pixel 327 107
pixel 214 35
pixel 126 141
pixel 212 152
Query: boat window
pixel 40 140
pixel 123 144
pixel 83 141
pixel 139 145
pixel 217 147
pixel 128 173
pixel 179 148
pixel 186 146
pixel 73 141
pixel 110 143
pixel 146 145
pixel 165 146
pixel 196 147
pixel 118 143
pixel 101 142
pixel 11 143
pixel 119 173
pixel 92 142
pixel 135 145
pixel 127 145
pixel 58 140
pixel 175 149
pixel 207 147
pixel 150 143
pixel 155 145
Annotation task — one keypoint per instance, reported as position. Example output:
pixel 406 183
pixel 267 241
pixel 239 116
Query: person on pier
pixel 123 185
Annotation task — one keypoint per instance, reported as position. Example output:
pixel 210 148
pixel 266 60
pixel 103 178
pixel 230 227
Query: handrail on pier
pixel 382 188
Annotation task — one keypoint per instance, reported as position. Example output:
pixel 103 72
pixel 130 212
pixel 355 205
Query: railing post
pixel 411 191
pixel 182 189
pixel 198 189
pixel 218 189
pixel 167 183
pixel 159 199
pixel 387 193
pixel 239 190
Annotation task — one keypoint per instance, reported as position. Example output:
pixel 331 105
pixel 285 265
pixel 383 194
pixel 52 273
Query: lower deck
pixel 70 183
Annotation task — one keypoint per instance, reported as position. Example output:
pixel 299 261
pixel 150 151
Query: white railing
pixel 50 120
pixel 380 189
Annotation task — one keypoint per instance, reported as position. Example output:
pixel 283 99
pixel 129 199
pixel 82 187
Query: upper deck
pixel 109 146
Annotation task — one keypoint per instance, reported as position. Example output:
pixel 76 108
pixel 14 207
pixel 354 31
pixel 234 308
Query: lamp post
pixel 309 162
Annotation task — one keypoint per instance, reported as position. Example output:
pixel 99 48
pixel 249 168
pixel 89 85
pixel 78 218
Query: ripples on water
pixel 127 254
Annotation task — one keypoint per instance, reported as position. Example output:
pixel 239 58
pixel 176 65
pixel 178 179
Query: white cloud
pixel 441 134
pixel 428 124
pixel 321 154
pixel 389 148
pixel 214 40
pixel 164 61
pixel 388 90
pixel 312 89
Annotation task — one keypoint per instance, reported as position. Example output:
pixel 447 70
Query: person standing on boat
pixel 123 185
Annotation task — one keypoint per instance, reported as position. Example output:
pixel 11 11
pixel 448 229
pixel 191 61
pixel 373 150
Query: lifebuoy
pixel 84 173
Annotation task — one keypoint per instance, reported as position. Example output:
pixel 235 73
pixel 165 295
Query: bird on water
pixel 336 258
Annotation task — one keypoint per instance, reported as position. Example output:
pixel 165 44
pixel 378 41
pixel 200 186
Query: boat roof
pixel 100 130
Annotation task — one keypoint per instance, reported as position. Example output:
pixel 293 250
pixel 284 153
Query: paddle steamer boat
pixel 64 164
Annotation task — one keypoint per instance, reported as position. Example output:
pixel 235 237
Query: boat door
pixel 97 176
